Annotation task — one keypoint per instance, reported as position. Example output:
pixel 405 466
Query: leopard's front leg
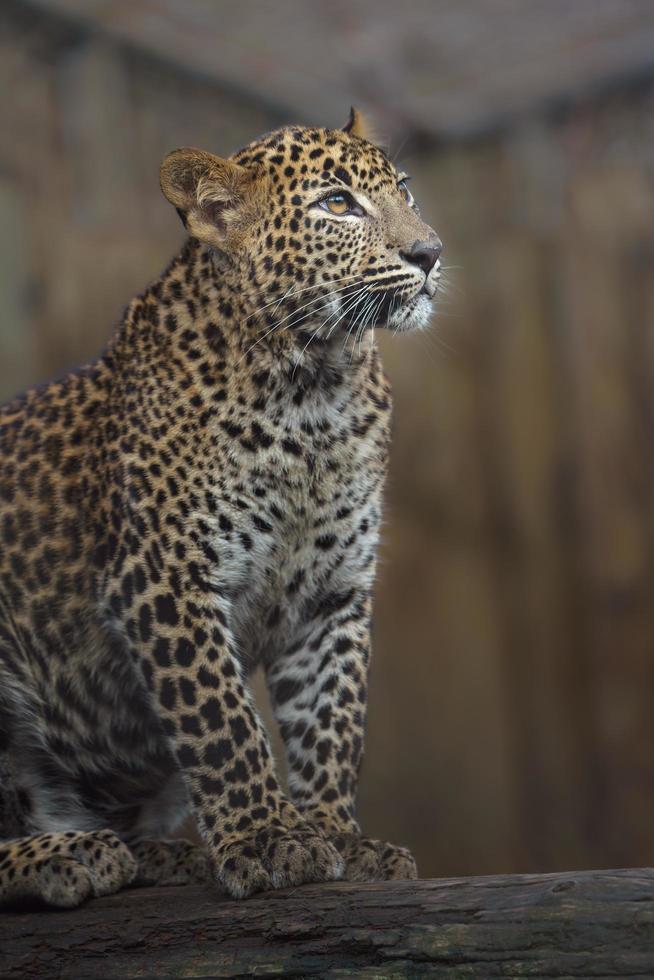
pixel 319 693
pixel 256 837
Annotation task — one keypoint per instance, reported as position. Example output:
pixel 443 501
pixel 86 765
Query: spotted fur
pixel 203 498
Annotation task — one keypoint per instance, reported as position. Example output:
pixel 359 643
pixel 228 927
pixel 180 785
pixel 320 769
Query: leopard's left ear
pixel 212 196
pixel 357 125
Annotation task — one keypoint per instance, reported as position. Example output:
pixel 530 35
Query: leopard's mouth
pixel 386 309
pixel 429 289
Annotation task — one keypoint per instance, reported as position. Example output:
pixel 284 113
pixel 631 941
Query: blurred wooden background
pixel 512 722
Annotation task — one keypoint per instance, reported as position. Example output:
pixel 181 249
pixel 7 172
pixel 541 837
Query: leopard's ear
pixel 357 125
pixel 211 195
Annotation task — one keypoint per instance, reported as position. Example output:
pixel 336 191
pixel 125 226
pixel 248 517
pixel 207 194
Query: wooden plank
pixel 438 772
pixel 611 221
pixel 440 630
pixel 17 341
pixel 527 456
pixel 97 133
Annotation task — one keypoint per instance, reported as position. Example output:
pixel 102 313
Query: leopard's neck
pixel 186 360
pixel 195 316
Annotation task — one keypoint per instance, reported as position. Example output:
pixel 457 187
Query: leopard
pixel 201 500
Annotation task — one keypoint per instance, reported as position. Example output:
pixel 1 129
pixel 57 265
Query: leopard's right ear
pixel 358 125
pixel 211 194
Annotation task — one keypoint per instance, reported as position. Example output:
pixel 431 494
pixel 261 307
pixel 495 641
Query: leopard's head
pixel 315 228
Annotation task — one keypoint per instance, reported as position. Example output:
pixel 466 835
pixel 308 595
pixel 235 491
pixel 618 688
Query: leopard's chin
pixel 413 315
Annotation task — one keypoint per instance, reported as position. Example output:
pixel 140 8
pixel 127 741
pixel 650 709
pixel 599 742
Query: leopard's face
pixel 317 228
pixel 339 244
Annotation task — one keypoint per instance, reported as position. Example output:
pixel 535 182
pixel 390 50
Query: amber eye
pixel 404 190
pixel 337 204
pixel 340 203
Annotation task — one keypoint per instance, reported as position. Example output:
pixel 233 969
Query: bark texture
pixel 581 924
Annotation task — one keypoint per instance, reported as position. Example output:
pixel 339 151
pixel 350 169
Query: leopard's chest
pixel 302 520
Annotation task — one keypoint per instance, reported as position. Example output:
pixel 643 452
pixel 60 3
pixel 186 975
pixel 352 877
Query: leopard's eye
pixel 340 204
pixel 404 190
pixel 337 204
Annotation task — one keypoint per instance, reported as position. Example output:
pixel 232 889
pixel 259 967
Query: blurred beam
pixel 442 69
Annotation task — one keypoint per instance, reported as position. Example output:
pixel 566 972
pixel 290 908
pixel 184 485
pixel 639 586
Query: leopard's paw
pixel 276 857
pixel 63 869
pixel 367 859
pixel 170 862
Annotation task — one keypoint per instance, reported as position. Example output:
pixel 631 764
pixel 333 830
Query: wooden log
pixel 579 924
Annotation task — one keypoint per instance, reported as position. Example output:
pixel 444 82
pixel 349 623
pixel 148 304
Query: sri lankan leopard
pixel 203 498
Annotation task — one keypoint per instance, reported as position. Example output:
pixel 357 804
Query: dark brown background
pixel 512 722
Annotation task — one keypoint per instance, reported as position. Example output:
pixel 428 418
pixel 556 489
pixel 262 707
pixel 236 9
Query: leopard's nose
pixel 423 254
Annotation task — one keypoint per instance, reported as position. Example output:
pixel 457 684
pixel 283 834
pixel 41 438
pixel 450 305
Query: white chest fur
pixel 303 519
